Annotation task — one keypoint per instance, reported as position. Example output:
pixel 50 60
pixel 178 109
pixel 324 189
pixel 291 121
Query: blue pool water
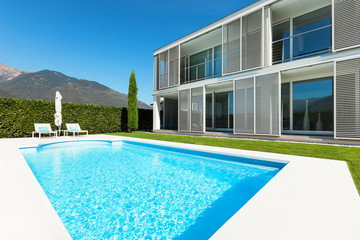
pixel 127 190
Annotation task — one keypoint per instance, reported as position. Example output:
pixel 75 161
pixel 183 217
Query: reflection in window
pixel 281 42
pixel 306 40
pixel 313 105
pixel 203 65
pixel 311 36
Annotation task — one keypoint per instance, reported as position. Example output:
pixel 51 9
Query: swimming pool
pixel 130 190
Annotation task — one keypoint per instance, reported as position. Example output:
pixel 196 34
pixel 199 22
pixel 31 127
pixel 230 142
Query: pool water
pixel 126 190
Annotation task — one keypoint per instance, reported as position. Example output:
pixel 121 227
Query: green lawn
pixel 349 154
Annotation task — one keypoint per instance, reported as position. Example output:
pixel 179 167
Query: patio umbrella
pixel 58 118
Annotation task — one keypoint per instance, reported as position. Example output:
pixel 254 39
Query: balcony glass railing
pixel 305 44
pixel 202 71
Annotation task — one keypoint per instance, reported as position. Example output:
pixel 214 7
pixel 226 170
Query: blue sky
pixel 100 40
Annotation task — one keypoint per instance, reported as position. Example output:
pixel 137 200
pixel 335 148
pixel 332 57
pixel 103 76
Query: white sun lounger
pixel 75 128
pixel 43 128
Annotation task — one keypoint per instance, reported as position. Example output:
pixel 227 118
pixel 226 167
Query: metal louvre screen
pixel 184 110
pixel 348 99
pixel 267 104
pixel 163 70
pixel 251 40
pixel 156 69
pixel 244 106
pixel 232 47
pixel 174 66
pixel 346 23
pixel 197 109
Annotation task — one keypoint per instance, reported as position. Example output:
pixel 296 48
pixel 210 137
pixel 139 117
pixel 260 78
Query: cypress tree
pixel 132 104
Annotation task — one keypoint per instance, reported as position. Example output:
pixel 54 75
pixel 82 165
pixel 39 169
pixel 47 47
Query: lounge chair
pixel 75 128
pixel 43 128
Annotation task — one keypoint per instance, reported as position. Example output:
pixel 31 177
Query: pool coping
pixel 310 198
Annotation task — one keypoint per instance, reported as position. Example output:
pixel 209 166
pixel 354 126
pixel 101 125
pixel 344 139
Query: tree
pixel 132 104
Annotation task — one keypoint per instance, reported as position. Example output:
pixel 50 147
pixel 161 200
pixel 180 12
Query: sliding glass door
pixel 219 111
pixel 307 106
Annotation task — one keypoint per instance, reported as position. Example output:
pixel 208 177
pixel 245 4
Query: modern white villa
pixel 275 67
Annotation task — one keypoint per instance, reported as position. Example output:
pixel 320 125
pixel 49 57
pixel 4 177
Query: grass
pixel 349 154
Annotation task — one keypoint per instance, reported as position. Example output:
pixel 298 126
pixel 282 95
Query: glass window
pixel 221 110
pixel 224 110
pixel 313 105
pixel 281 42
pixel 209 110
pixel 307 39
pixel 231 110
pixel 285 105
pixel 197 65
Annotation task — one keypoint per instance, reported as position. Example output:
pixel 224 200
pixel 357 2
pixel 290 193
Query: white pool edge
pixel 309 198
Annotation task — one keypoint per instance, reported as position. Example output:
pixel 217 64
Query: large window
pixel 310 36
pixel 312 105
pixel 285 106
pixel 202 65
pixel 223 110
pixel 209 110
pixel 281 42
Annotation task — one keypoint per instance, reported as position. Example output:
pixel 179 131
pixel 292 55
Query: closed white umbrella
pixel 58 117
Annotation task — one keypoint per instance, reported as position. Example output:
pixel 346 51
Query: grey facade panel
pixel 184 110
pixel 346 24
pixel 267 104
pixel 244 106
pixel 348 99
pixel 197 109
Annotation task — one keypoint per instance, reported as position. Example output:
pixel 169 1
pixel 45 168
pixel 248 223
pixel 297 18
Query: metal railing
pixel 293 47
pixel 202 71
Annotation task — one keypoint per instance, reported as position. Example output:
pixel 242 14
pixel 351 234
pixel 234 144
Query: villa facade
pixel 275 67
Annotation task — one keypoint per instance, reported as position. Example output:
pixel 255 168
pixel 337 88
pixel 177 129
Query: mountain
pixel 7 73
pixel 44 84
pixel 314 104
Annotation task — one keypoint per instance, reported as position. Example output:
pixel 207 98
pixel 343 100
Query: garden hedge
pixel 17 117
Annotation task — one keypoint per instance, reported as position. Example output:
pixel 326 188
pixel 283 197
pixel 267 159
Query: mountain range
pixel 44 84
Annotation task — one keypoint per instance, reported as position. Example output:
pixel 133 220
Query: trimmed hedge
pixel 17 117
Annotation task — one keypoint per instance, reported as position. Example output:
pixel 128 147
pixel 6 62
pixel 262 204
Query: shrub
pixel 17 117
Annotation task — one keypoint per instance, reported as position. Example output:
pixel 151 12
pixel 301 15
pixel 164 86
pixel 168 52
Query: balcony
pixel 303 36
pixel 203 68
